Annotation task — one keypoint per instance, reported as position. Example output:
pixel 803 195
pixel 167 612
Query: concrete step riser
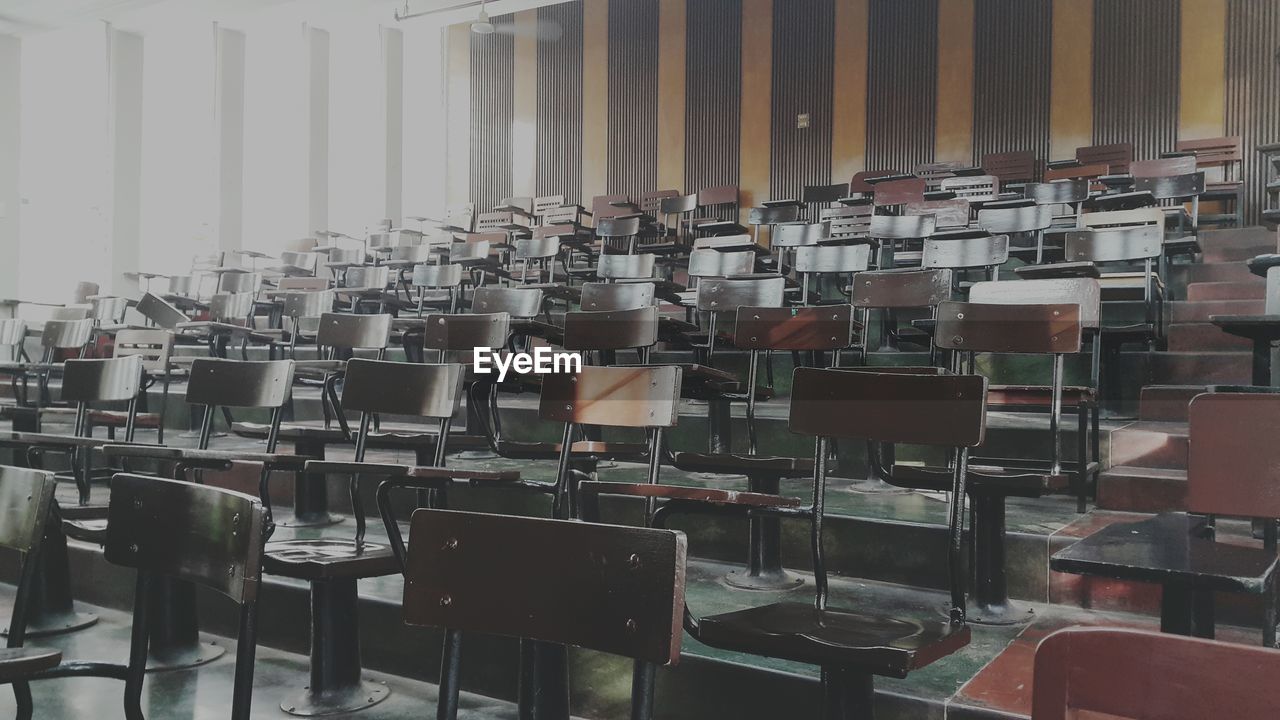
pixel 1186 312
pixel 1238 290
pixel 1192 337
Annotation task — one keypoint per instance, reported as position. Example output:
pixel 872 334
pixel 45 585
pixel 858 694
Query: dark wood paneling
pixel 902 83
pixel 713 93
pixel 1253 88
pixel 1135 74
pixel 632 163
pixel 559 119
pixel 1011 62
pixel 803 60
pixel 492 113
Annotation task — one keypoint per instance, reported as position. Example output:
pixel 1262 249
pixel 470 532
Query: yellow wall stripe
pixel 954 132
pixel 757 91
pixel 458 94
pixel 671 94
pixel 524 131
pixel 849 120
pixel 595 98
pixel 1071 86
pixel 1202 95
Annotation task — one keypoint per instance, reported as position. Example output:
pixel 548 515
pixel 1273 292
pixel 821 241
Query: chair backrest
pixel 544 203
pixel 1117 673
pixel 952 213
pixel 1172 187
pixel 108 310
pixel 719 294
pixel 70 312
pixel 651 201
pixel 607 206
pixel 302 284
pixel 342 330
pixel 898 192
pixel 398 388
pixel 367 276
pixel 538 248
pixel 461 333
pixel 901 288
pixel 1163 167
pixel 562 216
pixel 239 282
pixel 766 215
pixel 1085 292
pixel 182 285
pixel 725 243
pixel 1213 152
pixel 342 257
pixel 240 383
pixel 848 222
pixel 826 327
pixel 708 262
pixel 1058 192
pixel 965 249
pixel 13 331
pixel 1119 218
pixel 26 497
pixel 410 254
pixel 797 234
pixel 1086 172
pixel 718 195
pixel 1234 464
pixel 825 193
pixel 160 311
pixel 934 173
pixel 942 410
pixel 305 303
pixel 635 396
pixel 1115 244
pixel 205 535
pixel 610 588
pixel 154 347
pixel 305 261
pixel 497 220
pixel 468 250
pixel 611 329
pixel 102 380
pixel 1015 218
pixel 437 276
pixel 617 296
pixel 678 204
pixel 1011 167
pixel 1031 329
pixel 861 182
pixel 518 302
pixel 974 188
pixel 230 307
pixel 618 226
pixel 626 267
pixel 902 227
pixel 1116 156
pixel 832 258
pixel 66 334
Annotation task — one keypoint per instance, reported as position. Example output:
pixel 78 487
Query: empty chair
pixel 817 198
pixel 1012 168
pixel 296 264
pixel 769 218
pixel 1222 158
pixel 949 213
pixel 892 231
pixel 966 250
pixel 1176 190
pixel 605 331
pixel 1018 219
pixel 678 208
pixel 848 223
pixel 818 261
pixel 718 295
pixel 892 291
pixel 617 296
pixel 303 309
pixel 541 253
pixel 1065 194
pixel 1115 156
pixel 437 283
pixel 611 268
pixel 934 173
pixel 893 193
pixel 974 188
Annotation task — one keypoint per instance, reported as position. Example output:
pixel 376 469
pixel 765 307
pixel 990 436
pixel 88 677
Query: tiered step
pixel 1149 457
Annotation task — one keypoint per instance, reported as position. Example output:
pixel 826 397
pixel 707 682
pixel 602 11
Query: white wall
pixel 10 90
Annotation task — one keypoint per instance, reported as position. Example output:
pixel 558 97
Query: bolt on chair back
pixel 605 331
pixel 618 296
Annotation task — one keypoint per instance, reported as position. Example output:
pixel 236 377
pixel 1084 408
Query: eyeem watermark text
pixel 542 361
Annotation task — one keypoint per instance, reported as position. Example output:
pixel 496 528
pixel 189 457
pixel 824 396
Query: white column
pixel 316 126
pixel 393 122
pixel 10 133
pixel 124 128
pixel 228 113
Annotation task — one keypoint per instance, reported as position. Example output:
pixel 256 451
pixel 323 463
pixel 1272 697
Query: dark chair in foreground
pixel 1119 674
pixel 614 589
pixel 163 529
pixel 1232 472
pixel 851 646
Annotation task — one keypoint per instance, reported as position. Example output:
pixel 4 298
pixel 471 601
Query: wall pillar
pixel 228 113
pixel 316 126
pixel 1071 84
pixel 393 124
pixel 124 123
pixel 10 144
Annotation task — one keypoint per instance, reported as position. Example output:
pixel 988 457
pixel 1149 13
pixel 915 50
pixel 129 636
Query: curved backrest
pixel 797 234
pixel 1116 156
pixel 1015 219
pixel 354 331
pixel 468 251
pixel 611 329
pixel 230 307
pixel 898 192
pixel 543 203
pixel 728 294
pixel 1117 244
pixel 965 249
pixel 725 243
pixel 1233 463
pixel 826 327
pixel 239 282
pixel 461 333
pixel 13 332
pixel 410 254
pixel 1162 167
pixel 367 276
pixel 153 346
pixel 305 304
pixel 204 535
pixel 397 388
pixel 240 383
pixel 1016 166
pixel 832 258
pixel 773 215
pixel 182 285
pixel 26 497
pixel 1172 187
pixel 902 227
pixel 302 284
pixel 538 248
pixel 1047 329
pixel 618 226
pixel 160 311
pixel 901 288
pixel 610 588
pixel 617 296
pixel 1085 292
pixel 1114 673
pixel 651 202
pixel 66 334
pixel 380 241
pixel 950 213
pixel 678 204
pixel 943 410
pixel 69 312
pixel 864 181
pixel 709 262
pixel 108 310
pixel 718 195
pixel 634 396
pixel 109 380
pixel 626 267
pixel 1123 218
pixel 305 261
pixel 345 256
pixel 1058 192
pixel 437 276
pixel 517 302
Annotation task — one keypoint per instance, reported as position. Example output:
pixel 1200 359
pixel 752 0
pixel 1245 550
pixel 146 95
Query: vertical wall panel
pixel 803 61
pixel 713 93
pixel 849 106
pixel 757 89
pixel 1012 60
pixel 672 42
pixel 492 113
pixel 559 116
pixel 632 166
pixel 902 83
pixel 1253 88
pixel 954 132
pixel 1071 78
pixel 1135 74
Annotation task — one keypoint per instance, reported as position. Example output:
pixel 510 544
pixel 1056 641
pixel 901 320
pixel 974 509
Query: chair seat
pixel 89 530
pixel 1039 395
pixel 1011 481
pixel 21 662
pixel 1169 548
pixel 864 642
pixel 318 367
pixel 728 463
pixel 328 558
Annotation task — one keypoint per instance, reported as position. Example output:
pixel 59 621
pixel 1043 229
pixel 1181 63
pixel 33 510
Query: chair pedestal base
pixel 1187 611
pixel 544 681
pixel 310 493
pixel 990 603
pixel 52 612
pixel 764 569
pixel 336 683
pixel 847 695
pixel 174 629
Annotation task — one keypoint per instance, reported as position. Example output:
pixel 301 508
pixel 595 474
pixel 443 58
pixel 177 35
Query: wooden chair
pixel 1067 194
pixel 429 281
pixel 612 589
pixel 864 181
pixel 891 231
pixel 974 188
pixel 541 254
pixel 1122 673
pixel 851 646
pixel 614 268
pixel 768 218
pixel 934 173
pixel 817 198
pixel 1226 156
pixel 848 223
pixel 1116 156
pixel 1012 168
pixel 166 530
pixel 948 214
pixel 892 291
pixel 1231 472
pixel 815 262
pixel 961 250
pixel 618 234
pixel 58 338
pixel 1018 219
pixel 893 193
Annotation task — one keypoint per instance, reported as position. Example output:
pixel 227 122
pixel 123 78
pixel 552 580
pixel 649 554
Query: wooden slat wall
pixel 1012 61
pixel 632 164
pixel 1135 74
pixel 559 117
pixel 492 114
pixel 803 58
pixel 902 86
pixel 713 93
pixel 1253 88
